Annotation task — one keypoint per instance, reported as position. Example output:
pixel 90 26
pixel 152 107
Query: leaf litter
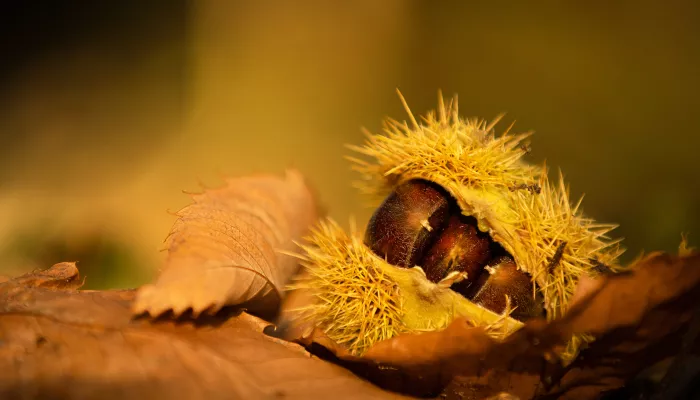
pixel 639 317
pixel 60 342
pixel 227 248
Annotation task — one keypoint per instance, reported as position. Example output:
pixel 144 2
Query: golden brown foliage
pixel 639 317
pixel 59 342
pixel 224 248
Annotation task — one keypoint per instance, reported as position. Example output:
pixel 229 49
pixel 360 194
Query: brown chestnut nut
pixel 460 247
pixel 502 277
pixel 419 224
pixel 407 222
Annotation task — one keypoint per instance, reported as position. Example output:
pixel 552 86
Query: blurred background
pixel 109 109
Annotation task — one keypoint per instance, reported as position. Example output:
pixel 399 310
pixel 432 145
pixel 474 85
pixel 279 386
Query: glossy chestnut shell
pixel 420 224
pixel 407 222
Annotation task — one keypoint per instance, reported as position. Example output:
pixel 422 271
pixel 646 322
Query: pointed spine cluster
pixel 549 238
pixel 356 304
pixel 465 151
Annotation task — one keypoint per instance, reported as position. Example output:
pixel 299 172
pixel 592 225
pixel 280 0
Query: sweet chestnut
pixel 502 278
pixel 407 222
pixel 459 247
pixel 419 224
pixel 444 168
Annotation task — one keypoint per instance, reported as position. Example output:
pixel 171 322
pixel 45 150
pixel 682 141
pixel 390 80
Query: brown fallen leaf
pixel 639 317
pixel 61 276
pixel 640 320
pixel 226 248
pixel 58 342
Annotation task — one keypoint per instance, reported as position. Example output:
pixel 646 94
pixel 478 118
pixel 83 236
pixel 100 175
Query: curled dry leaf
pixel 639 317
pixel 640 320
pixel 57 342
pixel 61 276
pixel 224 249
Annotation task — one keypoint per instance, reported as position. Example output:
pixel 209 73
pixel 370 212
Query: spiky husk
pixel 512 200
pixel 355 304
pixel 361 299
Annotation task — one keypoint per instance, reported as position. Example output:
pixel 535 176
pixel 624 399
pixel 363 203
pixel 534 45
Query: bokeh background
pixel 109 109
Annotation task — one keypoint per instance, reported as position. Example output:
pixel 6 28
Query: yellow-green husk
pixel 361 299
